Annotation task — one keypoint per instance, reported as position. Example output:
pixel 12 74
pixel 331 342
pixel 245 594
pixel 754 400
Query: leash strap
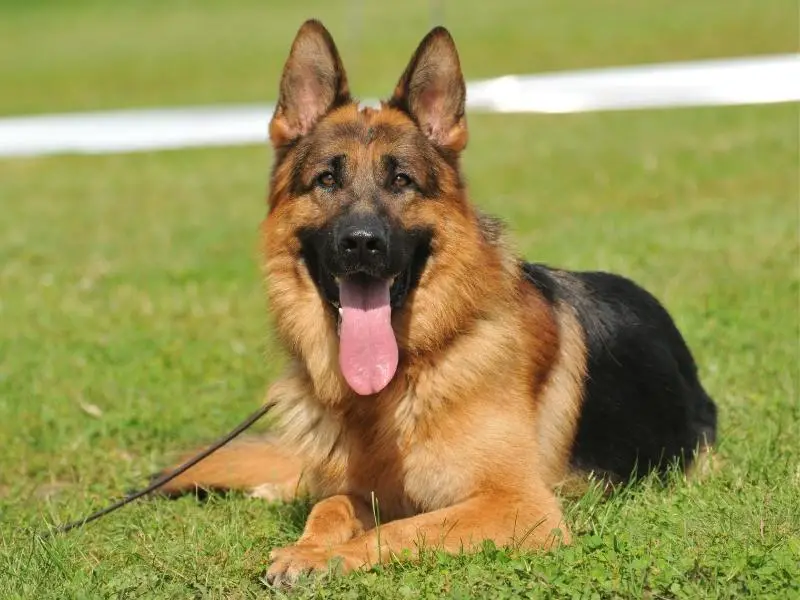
pixel 167 477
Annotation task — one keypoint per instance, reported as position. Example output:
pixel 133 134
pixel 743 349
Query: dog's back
pixel 643 407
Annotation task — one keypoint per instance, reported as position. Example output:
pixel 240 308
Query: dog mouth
pixel 399 286
pixel 363 303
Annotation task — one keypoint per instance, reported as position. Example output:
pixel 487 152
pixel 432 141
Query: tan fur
pixel 261 466
pixel 469 438
pixel 557 408
pixel 707 462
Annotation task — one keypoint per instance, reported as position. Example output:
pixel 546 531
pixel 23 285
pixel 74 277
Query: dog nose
pixel 364 243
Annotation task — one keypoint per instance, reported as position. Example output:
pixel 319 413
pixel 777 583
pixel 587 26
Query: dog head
pixel 368 220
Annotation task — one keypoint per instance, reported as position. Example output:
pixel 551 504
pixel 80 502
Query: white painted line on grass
pixel 757 80
pixel 114 131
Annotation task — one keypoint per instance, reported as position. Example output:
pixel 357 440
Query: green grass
pixel 133 325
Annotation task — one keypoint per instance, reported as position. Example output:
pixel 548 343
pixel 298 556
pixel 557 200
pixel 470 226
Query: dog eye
pixel 400 181
pixel 326 180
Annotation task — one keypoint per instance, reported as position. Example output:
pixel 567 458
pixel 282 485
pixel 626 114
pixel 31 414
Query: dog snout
pixel 363 245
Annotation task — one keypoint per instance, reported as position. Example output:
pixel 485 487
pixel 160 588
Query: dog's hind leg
pixel 259 467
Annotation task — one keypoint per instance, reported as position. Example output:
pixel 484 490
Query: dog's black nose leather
pixel 363 243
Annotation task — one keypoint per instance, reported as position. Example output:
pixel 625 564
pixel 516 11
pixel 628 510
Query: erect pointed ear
pixel 432 91
pixel 313 83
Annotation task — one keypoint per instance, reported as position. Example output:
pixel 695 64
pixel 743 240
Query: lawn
pixel 133 324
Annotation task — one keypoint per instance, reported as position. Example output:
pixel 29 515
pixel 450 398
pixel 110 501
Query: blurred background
pixel 92 54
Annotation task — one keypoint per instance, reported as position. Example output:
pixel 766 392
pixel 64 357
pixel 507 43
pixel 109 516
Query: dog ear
pixel 313 83
pixel 432 91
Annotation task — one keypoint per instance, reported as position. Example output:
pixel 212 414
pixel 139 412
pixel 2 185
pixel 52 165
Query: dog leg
pixel 331 523
pixel 336 520
pixel 526 523
pixel 260 467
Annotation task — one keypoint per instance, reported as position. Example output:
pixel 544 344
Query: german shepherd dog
pixel 432 372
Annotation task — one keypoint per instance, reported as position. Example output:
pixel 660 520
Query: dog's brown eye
pixel 326 180
pixel 400 181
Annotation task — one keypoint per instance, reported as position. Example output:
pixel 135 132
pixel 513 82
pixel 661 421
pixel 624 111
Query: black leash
pixel 166 478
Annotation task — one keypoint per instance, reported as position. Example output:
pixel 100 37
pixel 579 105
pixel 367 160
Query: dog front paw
pixel 289 563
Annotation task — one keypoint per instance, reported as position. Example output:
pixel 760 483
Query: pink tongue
pixel 367 347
